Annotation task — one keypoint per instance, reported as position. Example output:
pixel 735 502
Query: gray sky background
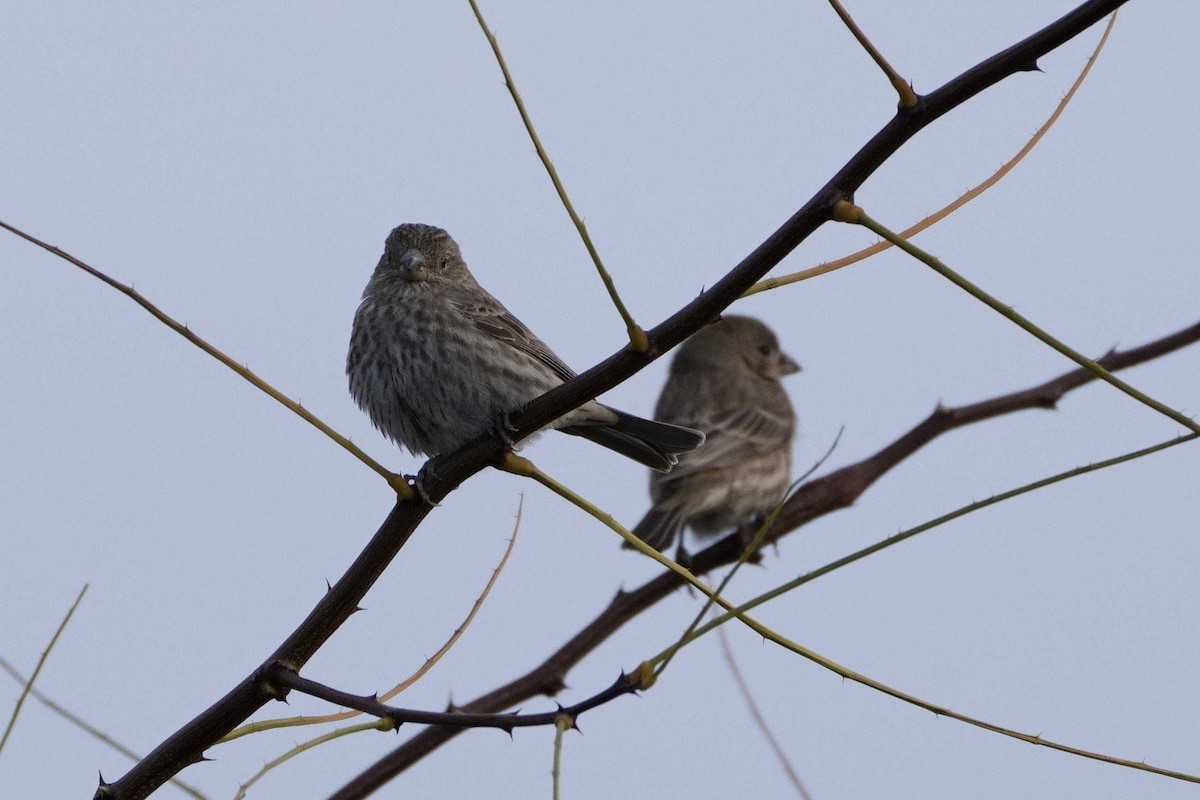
pixel 242 167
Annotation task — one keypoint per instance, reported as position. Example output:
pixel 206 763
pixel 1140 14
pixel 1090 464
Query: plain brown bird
pixel 725 382
pixel 435 360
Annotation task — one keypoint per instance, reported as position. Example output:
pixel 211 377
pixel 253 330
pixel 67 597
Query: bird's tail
pixel 661 526
pixel 657 445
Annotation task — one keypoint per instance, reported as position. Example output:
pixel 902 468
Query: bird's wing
pixel 497 322
pixel 734 436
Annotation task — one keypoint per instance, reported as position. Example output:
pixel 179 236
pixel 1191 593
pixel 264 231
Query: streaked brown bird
pixel 436 361
pixel 724 381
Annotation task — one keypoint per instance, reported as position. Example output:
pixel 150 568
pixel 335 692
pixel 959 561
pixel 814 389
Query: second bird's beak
pixel 785 365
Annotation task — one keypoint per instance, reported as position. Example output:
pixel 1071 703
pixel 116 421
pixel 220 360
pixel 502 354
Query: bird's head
pixel 416 253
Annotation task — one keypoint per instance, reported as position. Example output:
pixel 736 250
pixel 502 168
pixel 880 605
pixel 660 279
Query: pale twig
pixel 757 715
pixel 285 722
pixel 397 482
pixel 908 97
pixel 12 721
pixel 637 337
pixel 378 725
pixel 933 219
pixel 751 548
pixel 563 724
pixel 88 728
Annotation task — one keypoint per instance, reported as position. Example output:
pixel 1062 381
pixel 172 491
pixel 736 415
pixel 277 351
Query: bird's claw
pixel 418 481
pixel 502 427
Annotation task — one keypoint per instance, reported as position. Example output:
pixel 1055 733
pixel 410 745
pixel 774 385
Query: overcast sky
pixel 242 168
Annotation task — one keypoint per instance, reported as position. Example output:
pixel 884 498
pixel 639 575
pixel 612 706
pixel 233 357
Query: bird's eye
pixel 765 349
pixel 443 264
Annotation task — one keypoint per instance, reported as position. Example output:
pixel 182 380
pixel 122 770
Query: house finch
pixel 724 381
pixel 436 361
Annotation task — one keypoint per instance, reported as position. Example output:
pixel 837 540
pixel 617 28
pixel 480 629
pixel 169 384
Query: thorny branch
pixel 814 499
pixel 187 745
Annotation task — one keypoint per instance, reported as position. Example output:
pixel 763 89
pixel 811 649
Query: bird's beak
pixel 785 365
pixel 412 265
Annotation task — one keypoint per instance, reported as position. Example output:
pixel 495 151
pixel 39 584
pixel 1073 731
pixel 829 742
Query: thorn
pixel 200 759
pixel 272 689
pixel 451 708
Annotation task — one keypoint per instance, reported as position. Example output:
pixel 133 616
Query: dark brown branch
pixel 285 679
pixel 814 499
pixel 188 744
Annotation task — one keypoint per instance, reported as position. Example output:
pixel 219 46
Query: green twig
pixel 848 212
pixel 519 465
pixel 911 532
pixel 637 337
pixel 750 549
pixel 379 725
pixel 740 613
pixel 563 724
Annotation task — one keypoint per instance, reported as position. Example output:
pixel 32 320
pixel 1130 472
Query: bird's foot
pixel 501 428
pixel 421 479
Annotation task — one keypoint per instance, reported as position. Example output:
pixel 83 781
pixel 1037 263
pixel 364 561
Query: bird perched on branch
pixel 724 381
pixel 436 361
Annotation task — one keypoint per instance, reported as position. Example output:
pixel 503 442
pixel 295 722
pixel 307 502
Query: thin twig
pixel 815 499
pixel 895 539
pixel 637 337
pixel 563 724
pixel 750 549
pixel 304 747
pixel 966 197
pixel 285 722
pixel 12 720
pixel 759 719
pixel 88 728
pixel 187 745
pixel 397 482
pixel 908 97
pixel 848 212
